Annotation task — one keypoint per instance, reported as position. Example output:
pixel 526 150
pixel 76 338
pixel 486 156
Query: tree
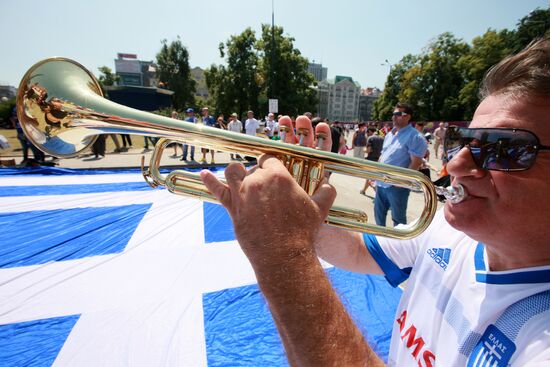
pixel 432 86
pixel 236 87
pixel 534 25
pixel 174 73
pixel 106 78
pixel 257 70
pixel 486 51
pixel 284 73
pixel 383 106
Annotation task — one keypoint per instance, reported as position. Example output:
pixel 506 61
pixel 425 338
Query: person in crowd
pixel 26 144
pixel 374 148
pixel 175 115
pixel 425 166
pixel 403 147
pixel 251 125
pixel 221 123
pixel 337 137
pixel 478 278
pixel 439 135
pixel 118 148
pixel 208 121
pixel 192 119
pixel 270 125
pixel 359 141
pixel 235 125
pixel 126 142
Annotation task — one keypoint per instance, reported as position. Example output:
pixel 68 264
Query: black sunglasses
pixel 495 149
pixel 400 113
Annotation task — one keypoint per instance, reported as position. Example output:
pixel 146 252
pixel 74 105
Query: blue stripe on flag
pixel 34 343
pixel 37 237
pixel 217 224
pixel 240 331
pixel 40 190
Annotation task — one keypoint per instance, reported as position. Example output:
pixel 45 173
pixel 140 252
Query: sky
pixel 349 37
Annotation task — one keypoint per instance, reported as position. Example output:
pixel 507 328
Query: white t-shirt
pixel 270 127
pixel 251 126
pixel 455 312
pixel 235 125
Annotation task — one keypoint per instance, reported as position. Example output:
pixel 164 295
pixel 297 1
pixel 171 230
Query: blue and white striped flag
pixel 97 269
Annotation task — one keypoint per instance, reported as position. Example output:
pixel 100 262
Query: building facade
pixel 366 103
pixel 339 97
pixel 134 72
pixel 318 71
pixel 201 90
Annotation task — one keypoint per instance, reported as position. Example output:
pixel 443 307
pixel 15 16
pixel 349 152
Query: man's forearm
pixel 314 326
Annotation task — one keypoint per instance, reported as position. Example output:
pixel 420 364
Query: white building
pixel 341 96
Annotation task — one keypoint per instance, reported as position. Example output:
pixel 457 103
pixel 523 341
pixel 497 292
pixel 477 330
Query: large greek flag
pixel 97 269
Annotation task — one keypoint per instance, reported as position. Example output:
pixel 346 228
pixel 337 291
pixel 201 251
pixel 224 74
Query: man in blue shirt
pixel 403 147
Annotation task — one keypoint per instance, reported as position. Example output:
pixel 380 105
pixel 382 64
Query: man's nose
pixel 462 164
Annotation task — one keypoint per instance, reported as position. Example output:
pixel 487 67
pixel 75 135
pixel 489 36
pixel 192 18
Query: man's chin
pixel 457 219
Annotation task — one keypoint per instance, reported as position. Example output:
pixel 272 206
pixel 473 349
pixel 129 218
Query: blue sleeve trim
pixel 392 272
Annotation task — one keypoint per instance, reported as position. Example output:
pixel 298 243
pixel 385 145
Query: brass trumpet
pixel 61 108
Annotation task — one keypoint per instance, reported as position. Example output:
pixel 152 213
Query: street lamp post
pixel 386 62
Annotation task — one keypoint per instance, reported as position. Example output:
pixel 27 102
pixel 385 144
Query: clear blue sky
pixel 350 37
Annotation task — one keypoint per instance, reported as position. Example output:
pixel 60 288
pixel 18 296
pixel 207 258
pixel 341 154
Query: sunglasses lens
pixel 494 149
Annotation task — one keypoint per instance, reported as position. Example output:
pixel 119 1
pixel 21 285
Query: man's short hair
pixel 361 124
pixel 527 72
pixel 405 107
pixel 250 112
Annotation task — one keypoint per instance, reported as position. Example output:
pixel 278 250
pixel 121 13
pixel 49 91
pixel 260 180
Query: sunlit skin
pixel 503 210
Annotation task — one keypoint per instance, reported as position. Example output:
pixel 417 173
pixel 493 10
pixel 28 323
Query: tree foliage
pixel 534 25
pixel 106 76
pixel 259 69
pixel 442 82
pixel 236 87
pixel 284 73
pixel 174 73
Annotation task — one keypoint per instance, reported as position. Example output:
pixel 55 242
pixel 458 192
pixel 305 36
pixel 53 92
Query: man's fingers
pixel 235 174
pixel 216 187
pixel 267 161
pixel 324 196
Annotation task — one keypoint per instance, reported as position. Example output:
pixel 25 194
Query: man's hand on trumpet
pixel 283 254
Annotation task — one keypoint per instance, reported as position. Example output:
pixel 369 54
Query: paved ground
pixel 347 187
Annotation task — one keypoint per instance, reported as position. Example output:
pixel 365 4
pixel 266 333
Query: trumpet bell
pixel 47 117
